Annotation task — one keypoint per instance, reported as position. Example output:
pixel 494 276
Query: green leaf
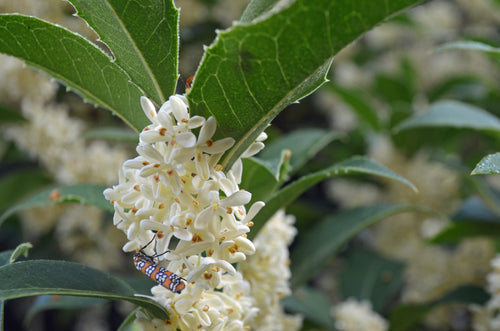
pixel 19 184
pixel 39 277
pixel 286 195
pixel 48 302
pixel 312 304
pixel 143 36
pixel 455 87
pixel 140 284
pixel 88 194
pixel 76 62
pixel 406 316
pixel 21 250
pixel 5 257
pixel 8 115
pixel 452 114
pixel 111 133
pixel 470 46
pixel 359 104
pixel 10 256
pixel 489 198
pixel 393 89
pixel 368 276
pixel 129 323
pixel 315 247
pixel 254 70
pixel 303 144
pixel 458 231
pixel 258 179
pixel 475 209
pixel 489 165
pixel 255 8
pixel 1 315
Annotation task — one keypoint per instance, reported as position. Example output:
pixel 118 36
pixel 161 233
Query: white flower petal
pixel 262 136
pixel 130 246
pixel 150 152
pixel 148 170
pixel 150 136
pixel 136 163
pixel 203 218
pixel 208 130
pixel 179 109
pixel 245 245
pixel 196 122
pixel 183 234
pixel 186 139
pixel 253 149
pixel 236 171
pixel 149 109
pixel 254 209
pixel 219 146
pixel 238 198
pixel 165 119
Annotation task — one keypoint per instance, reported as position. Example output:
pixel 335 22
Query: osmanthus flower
pixel 353 315
pixel 176 189
pixel 268 272
pixel 487 317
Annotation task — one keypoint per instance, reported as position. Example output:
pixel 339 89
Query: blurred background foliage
pixel 411 269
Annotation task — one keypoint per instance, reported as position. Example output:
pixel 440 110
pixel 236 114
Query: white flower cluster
pixel 176 186
pixel 352 315
pixel 268 272
pixel 487 317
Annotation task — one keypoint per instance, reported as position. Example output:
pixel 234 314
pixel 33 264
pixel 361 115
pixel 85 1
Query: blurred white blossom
pixel 353 315
pixel 268 272
pixel 487 317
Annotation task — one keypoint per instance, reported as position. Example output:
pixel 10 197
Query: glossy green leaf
pixel 406 316
pixel 48 302
pixel 143 36
pixel 40 277
pixel 254 70
pixel 320 243
pixel 258 179
pixel 89 194
pixel 303 144
pixel 140 284
pixel 359 105
pixel 489 165
pixel 76 62
pixel 452 114
pixel 368 276
pixel 312 304
pixel 286 195
pixel 111 133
